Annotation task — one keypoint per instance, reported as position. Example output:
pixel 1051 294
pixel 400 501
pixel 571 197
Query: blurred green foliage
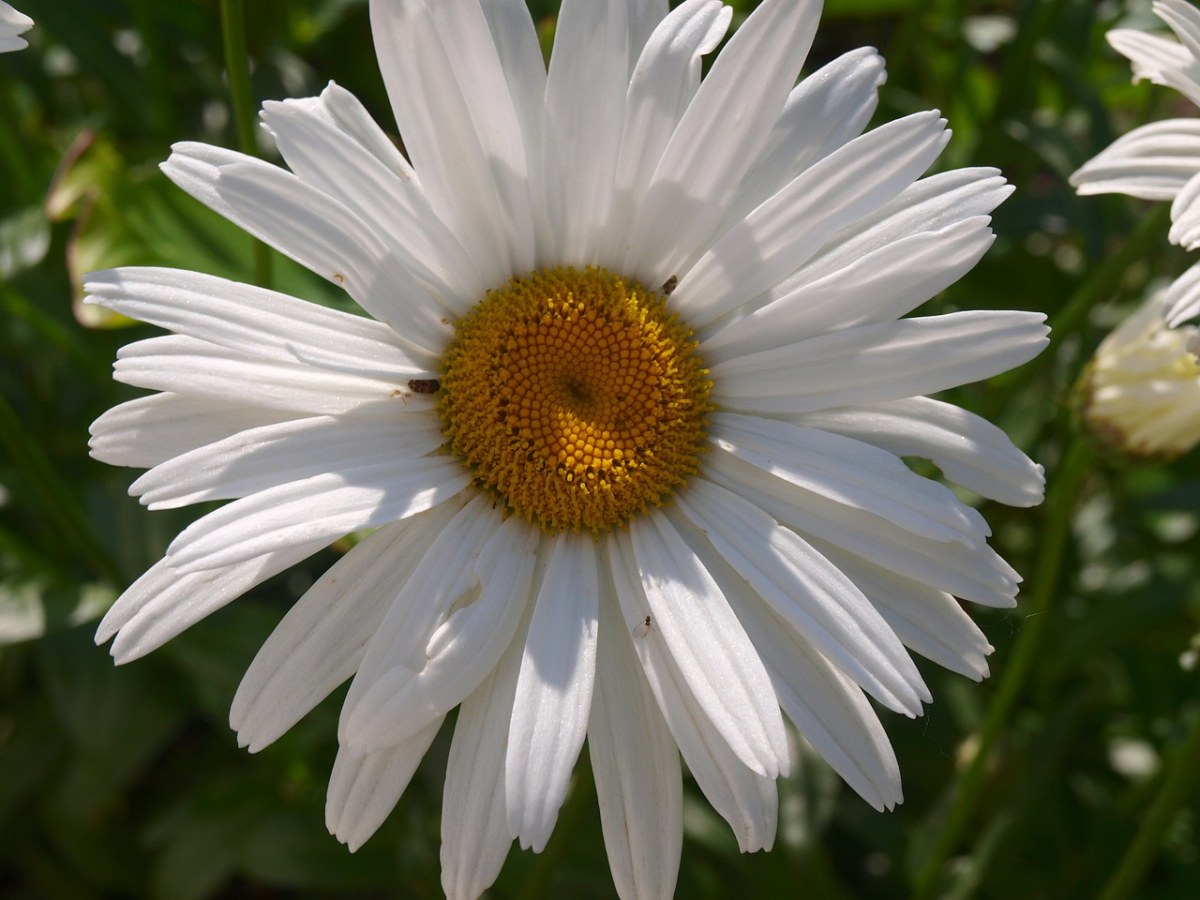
pixel 120 782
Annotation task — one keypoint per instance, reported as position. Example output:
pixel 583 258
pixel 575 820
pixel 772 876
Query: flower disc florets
pixel 576 397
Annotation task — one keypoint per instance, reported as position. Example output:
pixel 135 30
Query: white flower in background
pixel 1141 391
pixel 12 23
pixel 1159 161
pixel 628 421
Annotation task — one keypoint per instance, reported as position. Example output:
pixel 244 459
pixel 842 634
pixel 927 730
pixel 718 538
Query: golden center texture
pixel 575 397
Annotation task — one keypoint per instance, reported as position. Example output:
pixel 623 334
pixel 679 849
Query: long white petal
pixel 163 602
pixel 826 706
pixel 706 158
pixel 375 714
pixel 415 685
pixel 791 226
pixel 664 81
pixel 825 110
pixel 887 283
pixel 808 593
pixel 1185 215
pixel 1181 302
pixel 636 767
pixel 253 321
pixel 710 648
pixel 320 642
pixel 1152 162
pixel 852 472
pixel 475 837
pixel 321 140
pixel 150 430
pixel 1158 59
pixel 436 114
pixel 927 620
pixel 930 204
pixel 747 800
pixel 585 106
pixel 315 229
pixel 972 573
pixel 272 455
pixel 323 507
pixel 883 361
pixel 364 787
pixel 969 450
pixel 554 691
pixel 185 365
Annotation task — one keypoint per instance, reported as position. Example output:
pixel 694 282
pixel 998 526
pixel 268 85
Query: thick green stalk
pixel 1061 498
pixel 237 70
pixel 1176 788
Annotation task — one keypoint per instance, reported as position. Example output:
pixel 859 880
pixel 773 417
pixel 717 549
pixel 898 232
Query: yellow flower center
pixel 575 397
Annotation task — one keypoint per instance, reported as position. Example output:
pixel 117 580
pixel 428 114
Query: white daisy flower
pixel 628 421
pixel 1159 161
pixel 13 23
pixel 1141 390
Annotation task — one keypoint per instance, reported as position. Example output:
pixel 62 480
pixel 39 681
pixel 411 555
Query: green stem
pixel 1060 506
pixel 58 503
pixel 237 70
pixel 1176 788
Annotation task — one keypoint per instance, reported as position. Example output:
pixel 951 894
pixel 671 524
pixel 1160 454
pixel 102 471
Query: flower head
pixel 1159 161
pixel 1141 391
pixel 12 24
pixel 628 421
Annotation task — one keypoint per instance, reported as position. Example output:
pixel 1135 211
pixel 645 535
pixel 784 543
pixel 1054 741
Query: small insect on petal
pixel 669 285
pixel 643 628
pixel 424 385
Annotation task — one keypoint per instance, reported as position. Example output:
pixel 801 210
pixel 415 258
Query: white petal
pixel 748 801
pixel 1152 162
pixel 1159 60
pixel 970 451
pixel 808 593
pixel 585 106
pixel 480 73
pixel 163 602
pixel 475 838
pixel 788 228
pixel 316 230
pixel 445 576
pixel 524 70
pixel 448 145
pixel 1181 302
pixel 150 430
pixel 636 767
pixel 706 158
pixel 929 621
pixel 185 365
pixel 364 788
pixel 323 507
pixel 1185 215
pixel 313 137
pixel 644 16
pixel 882 361
pixel 708 645
pixel 972 573
pixel 273 455
pixel 662 85
pixel 407 684
pixel 928 205
pixel 826 706
pixel 320 642
pixel 253 321
pixel 852 472
pixel 824 111
pixel 554 691
pixel 882 286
